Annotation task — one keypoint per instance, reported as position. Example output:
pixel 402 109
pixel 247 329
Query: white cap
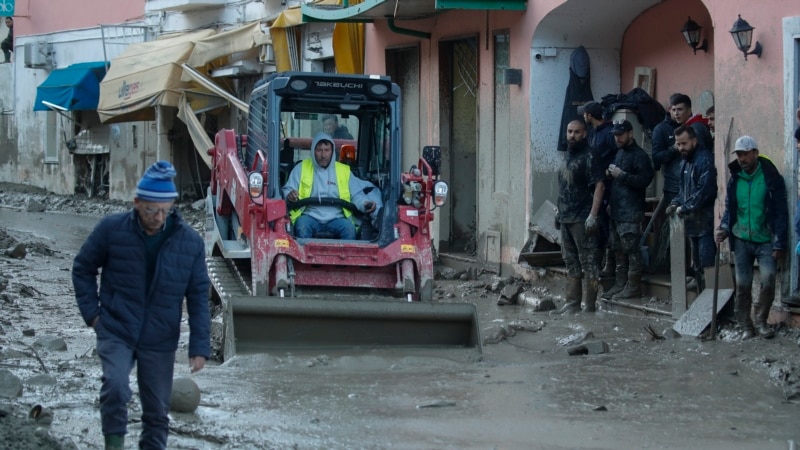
pixel 745 144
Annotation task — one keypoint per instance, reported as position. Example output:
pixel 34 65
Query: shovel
pixel 713 334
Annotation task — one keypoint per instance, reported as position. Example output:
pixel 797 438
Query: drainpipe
pixel 406 31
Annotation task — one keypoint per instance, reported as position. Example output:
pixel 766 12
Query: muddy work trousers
pixel 154 372
pixel 745 254
pixel 625 237
pixel 579 251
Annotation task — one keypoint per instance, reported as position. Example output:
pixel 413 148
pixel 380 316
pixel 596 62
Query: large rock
pixel 185 395
pixel 538 302
pixel 10 384
pixel 53 343
pixel 18 251
pixel 34 205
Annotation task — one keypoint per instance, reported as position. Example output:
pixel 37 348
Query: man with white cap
pixel 756 218
pixel 149 260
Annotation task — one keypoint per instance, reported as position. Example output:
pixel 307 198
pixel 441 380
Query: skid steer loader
pixel 277 291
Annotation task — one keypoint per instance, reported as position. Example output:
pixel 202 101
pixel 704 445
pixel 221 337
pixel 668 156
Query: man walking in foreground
pixel 149 260
pixel 756 218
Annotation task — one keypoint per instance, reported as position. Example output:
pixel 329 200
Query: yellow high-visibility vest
pixel 307 182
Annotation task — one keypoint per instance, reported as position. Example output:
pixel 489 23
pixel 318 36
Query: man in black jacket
pixel 632 172
pixel 756 217
pixel 604 149
pixel 580 194
pixel 695 200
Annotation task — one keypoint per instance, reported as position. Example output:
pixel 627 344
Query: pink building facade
pixel 500 137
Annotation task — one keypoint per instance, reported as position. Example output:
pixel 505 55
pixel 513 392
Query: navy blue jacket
pixel 697 193
pixel 776 206
pixel 665 156
pixel 147 319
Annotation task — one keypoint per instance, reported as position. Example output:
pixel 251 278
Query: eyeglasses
pixel 150 211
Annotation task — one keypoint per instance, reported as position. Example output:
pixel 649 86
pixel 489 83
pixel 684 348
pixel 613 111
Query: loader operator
pixel 323 177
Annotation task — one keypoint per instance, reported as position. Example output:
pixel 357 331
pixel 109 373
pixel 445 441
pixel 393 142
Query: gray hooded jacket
pixel 325 185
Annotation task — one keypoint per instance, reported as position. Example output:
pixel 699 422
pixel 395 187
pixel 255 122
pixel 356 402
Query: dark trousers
pixel 7 49
pixel 154 372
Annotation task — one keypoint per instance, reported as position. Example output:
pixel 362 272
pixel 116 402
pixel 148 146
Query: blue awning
pixel 74 88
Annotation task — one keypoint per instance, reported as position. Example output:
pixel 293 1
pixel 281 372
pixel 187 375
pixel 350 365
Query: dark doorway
pixel 458 84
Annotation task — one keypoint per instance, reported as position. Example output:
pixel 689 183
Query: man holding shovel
pixel 756 217
pixel 694 203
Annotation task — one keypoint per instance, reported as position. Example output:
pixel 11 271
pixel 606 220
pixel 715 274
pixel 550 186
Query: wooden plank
pixel 698 317
pixel 677 250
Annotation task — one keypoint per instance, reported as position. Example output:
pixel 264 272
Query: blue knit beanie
pixel 156 185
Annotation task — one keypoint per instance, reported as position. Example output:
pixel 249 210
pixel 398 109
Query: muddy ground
pixel 524 390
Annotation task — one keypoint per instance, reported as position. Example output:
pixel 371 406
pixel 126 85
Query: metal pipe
pixel 406 31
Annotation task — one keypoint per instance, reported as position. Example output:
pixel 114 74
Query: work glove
pixel 720 235
pixel 671 210
pixel 591 225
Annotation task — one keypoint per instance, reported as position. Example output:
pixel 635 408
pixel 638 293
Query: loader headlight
pixel 298 85
pixel 255 184
pixel 440 193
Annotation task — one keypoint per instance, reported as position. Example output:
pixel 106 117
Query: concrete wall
pixel 499 195
pixel 22 155
pixel 619 35
pixel 38 17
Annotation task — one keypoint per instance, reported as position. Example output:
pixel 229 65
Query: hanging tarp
pixel 210 86
pixel 187 113
pixel 285 38
pixel 226 43
pixel 73 88
pixel 146 75
pixel 348 46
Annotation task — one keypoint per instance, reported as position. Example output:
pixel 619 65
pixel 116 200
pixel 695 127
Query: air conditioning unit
pixel 266 54
pixel 38 54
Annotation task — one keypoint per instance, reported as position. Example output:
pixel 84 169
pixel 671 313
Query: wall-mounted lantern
pixel 691 33
pixel 742 34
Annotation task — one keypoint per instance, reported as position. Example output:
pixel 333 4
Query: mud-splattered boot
pixel 761 316
pixel 115 441
pixel 590 287
pixel 741 310
pixel 573 295
pixel 610 266
pixel 632 290
pixel 619 283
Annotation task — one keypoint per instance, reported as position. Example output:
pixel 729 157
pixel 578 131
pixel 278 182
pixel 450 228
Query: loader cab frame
pixel 287 111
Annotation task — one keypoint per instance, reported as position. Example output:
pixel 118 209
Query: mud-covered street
pixel 523 391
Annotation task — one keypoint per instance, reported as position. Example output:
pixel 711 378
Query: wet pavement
pixel 524 391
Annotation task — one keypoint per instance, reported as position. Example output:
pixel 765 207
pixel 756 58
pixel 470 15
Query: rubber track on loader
pixel 227 279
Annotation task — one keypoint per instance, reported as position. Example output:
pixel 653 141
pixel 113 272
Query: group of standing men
pixel 602 199
pixel 584 178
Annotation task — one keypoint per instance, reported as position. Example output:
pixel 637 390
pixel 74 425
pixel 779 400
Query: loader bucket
pixel 260 324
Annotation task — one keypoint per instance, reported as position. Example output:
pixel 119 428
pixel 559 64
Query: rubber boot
pixel 573 295
pixel 632 290
pixel 590 295
pixel 610 264
pixel 619 284
pixel 741 310
pixel 115 441
pixel 761 315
